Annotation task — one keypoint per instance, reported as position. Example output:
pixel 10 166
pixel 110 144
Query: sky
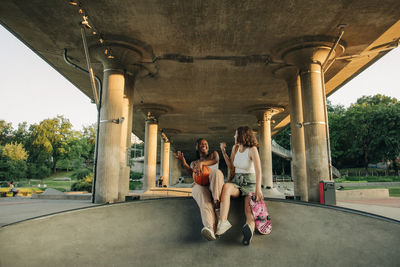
pixel 31 90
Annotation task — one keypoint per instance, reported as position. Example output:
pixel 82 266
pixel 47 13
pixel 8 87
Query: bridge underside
pixel 193 69
pixel 210 60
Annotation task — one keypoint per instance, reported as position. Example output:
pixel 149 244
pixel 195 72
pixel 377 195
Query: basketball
pixel 202 178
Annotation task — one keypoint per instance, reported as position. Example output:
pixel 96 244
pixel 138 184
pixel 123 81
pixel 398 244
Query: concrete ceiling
pixel 207 60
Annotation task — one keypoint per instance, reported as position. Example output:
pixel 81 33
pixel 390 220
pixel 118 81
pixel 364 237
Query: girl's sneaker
pixel 222 227
pixel 208 233
pixel 247 235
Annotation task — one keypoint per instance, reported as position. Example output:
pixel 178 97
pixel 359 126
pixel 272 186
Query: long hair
pixel 198 141
pixel 246 137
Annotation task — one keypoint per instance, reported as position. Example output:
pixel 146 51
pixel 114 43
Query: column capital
pixel 164 137
pixel 288 73
pixel 154 111
pixel 265 112
pixel 121 53
pixel 170 133
pixel 303 54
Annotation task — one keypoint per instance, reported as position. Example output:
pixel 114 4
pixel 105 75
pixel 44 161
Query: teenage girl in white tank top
pixel 246 165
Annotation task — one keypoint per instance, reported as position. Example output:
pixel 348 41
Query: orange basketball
pixel 202 178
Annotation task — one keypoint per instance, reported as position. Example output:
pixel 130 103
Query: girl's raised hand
pixel 222 146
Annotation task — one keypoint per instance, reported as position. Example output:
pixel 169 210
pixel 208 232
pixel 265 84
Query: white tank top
pixel 242 162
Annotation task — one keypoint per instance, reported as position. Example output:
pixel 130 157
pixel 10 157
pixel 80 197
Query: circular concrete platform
pixel 166 232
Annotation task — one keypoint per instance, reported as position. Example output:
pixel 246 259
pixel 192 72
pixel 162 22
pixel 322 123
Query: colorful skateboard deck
pixel 261 216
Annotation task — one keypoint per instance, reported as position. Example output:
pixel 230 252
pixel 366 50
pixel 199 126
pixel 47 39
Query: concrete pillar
pixel 150 152
pixel 126 133
pixel 108 162
pixel 298 163
pixel 308 59
pixel 112 181
pixel 153 113
pixel 266 151
pixel 175 170
pixel 264 115
pixel 165 160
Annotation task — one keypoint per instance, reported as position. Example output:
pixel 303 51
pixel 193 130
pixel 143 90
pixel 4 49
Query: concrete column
pixel 175 170
pixel 112 181
pixel 264 115
pixel 298 163
pixel 150 152
pixel 266 151
pixel 126 133
pixel 308 59
pixel 108 163
pixel 165 160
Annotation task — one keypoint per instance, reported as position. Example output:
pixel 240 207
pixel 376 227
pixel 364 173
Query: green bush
pixel 135 185
pixel 84 184
pixel 12 170
pixel 38 170
pixel 136 175
pixel 81 173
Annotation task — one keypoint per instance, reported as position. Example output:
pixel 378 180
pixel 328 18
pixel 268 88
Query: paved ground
pixel 166 232
pixel 21 208
pixel 14 209
pixel 388 207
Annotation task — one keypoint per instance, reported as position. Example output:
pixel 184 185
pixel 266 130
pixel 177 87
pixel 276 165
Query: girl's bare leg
pixel 248 228
pixel 249 215
pixel 228 191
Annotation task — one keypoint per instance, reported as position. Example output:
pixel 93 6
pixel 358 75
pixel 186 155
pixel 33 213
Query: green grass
pixel 60 175
pixel 394 191
pixel 368 179
pixel 49 182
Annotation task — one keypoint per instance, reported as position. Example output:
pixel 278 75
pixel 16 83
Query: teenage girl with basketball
pixel 245 163
pixel 204 194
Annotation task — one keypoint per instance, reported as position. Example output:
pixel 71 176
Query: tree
pixel 377 99
pixel 387 143
pixel 367 131
pixel 13 161
pixel 337 134
pixel 15 152
pixel 53 136
pixel 281 165
pixel 21 134
pixel 5 132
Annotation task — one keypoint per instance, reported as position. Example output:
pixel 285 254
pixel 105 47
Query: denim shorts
pixel 245 182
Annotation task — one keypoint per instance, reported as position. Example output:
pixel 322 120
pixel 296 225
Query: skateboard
pixel 261 216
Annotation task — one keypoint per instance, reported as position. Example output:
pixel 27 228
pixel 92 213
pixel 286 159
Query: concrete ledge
pixel 64 196
pixel 362 194
pixel 368 184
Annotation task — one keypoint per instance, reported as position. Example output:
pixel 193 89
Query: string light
pixel 85 23
pixel 108 53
